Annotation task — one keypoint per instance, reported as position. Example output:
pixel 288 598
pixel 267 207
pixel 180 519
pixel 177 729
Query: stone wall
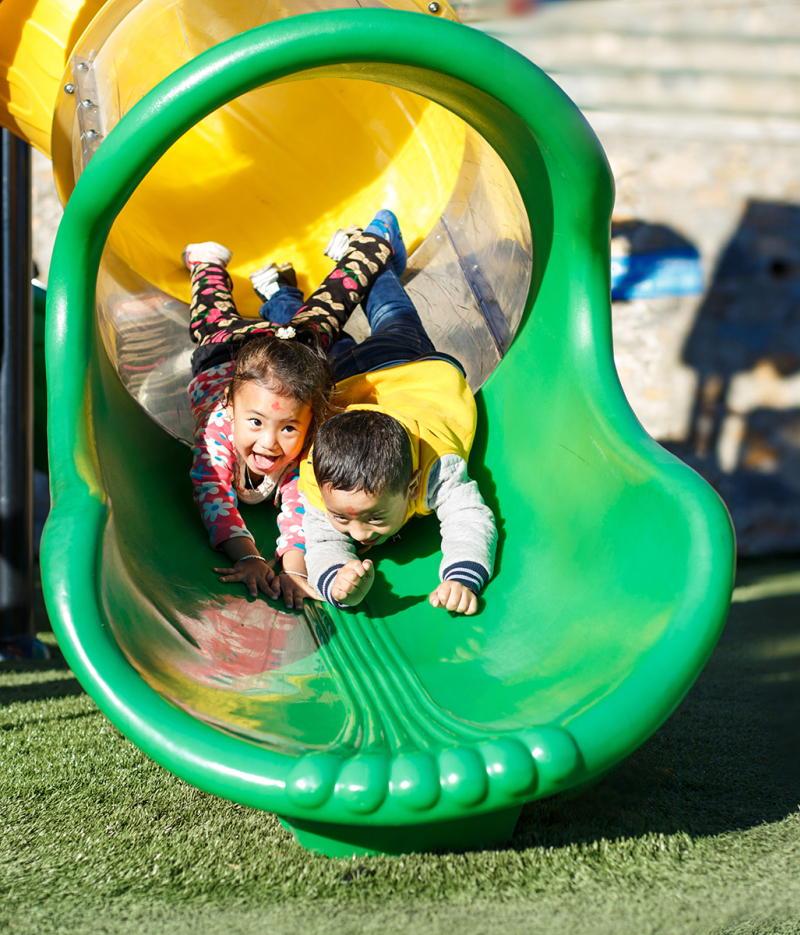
pixel 697 105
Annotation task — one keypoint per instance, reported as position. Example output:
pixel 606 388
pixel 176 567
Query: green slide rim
pixel 542 136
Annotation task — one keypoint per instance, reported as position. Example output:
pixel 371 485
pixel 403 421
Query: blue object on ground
pixel 22 648
pixel 656 275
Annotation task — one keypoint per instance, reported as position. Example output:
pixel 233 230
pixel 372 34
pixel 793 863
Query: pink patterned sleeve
pixel 213 458
pixel 290 518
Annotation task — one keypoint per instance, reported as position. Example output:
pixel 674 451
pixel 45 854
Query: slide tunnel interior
pixel 271 175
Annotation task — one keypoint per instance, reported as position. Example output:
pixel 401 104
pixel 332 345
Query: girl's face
pixel 268 430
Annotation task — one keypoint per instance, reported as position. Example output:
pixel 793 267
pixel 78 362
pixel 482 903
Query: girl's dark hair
pixel 362 449
pixel 287 368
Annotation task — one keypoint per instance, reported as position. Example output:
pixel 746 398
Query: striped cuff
pixel 470 574
pixel 325 584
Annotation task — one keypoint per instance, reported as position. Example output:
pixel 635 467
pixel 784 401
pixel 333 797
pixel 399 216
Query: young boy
pixel 400 448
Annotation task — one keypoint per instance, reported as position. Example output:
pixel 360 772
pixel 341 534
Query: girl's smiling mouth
pixel 265 463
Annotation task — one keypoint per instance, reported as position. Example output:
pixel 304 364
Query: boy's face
pixel 368 518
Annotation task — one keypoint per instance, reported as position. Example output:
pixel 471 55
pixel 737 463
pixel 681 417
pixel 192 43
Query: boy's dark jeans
pixel 397 335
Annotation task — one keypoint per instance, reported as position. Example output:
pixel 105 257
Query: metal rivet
pixel 433 7
pixel 91 134
pixel 82 66
pixel 87 104
pixel 69 88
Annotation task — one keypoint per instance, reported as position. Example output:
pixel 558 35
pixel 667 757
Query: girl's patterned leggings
pixel 214 319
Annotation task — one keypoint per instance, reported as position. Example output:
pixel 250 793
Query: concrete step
pixel 685 92
pixel 730 68
pixel 573 46
pixel 751 18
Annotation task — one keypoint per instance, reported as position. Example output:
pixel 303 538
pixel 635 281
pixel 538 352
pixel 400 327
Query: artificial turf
pixel 697 832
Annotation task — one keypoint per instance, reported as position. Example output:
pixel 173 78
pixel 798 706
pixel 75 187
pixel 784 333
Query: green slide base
pixel 477 831
pixel 392 727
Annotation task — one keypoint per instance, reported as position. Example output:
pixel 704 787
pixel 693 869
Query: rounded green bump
pixel 554 750
pixel 509 766
pixel 463 776
pixel 311 781
pixel 363 783
pixel 414 781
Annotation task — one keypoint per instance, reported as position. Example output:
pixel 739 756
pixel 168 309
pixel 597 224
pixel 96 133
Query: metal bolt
pixel 91 134
pixel 87 104
pixel 69 88
pixel 82 66
pixel 433 7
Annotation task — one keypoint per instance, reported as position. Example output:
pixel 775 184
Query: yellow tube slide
pixel 270 175
pixel 36 38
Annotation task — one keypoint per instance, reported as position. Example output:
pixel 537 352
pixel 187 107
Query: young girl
pixel 258 393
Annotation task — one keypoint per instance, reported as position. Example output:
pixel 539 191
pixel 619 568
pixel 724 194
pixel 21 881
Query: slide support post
pixel 16 391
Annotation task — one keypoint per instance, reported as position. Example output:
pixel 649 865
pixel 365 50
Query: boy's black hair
pixel 363 450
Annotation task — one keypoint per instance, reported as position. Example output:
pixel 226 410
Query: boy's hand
pixel 255 574
pixel 353 582
pixel 294 589
pixel 456 597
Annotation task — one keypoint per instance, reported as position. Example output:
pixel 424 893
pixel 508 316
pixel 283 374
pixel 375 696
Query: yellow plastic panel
pixel 35 41
pixel 37 37
pixel 270 175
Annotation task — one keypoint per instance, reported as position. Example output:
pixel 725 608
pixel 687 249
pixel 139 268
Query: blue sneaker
pixel 386 225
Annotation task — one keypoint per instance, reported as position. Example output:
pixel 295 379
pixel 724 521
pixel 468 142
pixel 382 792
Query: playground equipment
pixel 395 727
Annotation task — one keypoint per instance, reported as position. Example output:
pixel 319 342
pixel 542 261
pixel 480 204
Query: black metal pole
pixel 16 390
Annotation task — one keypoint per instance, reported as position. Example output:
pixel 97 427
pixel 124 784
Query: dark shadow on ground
pixel 37 691
pixel 749 323
pixel 728 759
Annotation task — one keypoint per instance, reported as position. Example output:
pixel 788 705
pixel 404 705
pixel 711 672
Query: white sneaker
pixel 208 252
pixel 265 281
pixel 339 243
pixel 268 279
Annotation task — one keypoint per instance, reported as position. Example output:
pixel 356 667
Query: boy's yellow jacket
pixel 429 398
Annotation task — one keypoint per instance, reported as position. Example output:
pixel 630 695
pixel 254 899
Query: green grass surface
pixel 699 831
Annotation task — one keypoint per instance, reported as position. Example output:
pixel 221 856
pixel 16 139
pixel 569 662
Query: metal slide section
pixel 395 727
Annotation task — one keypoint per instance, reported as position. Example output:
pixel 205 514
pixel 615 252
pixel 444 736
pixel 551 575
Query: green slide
pixel 398 727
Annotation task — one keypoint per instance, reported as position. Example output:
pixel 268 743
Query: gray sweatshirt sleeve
pixel 469 534
pixel 326 550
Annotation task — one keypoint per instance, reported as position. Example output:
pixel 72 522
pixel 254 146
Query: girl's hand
pixel 255 574
pixel 294 589
pixel 353 582
pixel 455 597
